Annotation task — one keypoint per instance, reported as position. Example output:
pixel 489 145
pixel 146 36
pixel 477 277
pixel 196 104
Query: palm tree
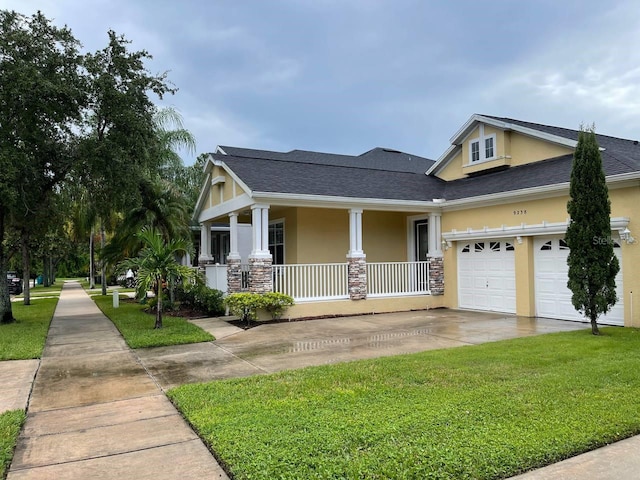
pixel 156 266
pixel 161 207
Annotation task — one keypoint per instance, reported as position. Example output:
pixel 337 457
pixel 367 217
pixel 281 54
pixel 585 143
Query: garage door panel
pixel 553 297
pixel 486 276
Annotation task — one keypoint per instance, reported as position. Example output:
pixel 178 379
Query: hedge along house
pixel 481 228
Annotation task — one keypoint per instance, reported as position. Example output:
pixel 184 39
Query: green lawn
pixel 40 291
pixel 10 424
pixel 25 338
pixel 482 412
pixel 137 329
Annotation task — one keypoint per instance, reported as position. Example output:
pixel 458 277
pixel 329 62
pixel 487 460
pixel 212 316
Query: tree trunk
pixel 6 315
pixel 52 270
pixel 159 306
pixel 594 326
pixel 103 266
pixel 45 272
pixel 92 272
pixel 26 266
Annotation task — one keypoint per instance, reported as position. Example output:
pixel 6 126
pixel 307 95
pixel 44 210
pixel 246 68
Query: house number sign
pixel 520 212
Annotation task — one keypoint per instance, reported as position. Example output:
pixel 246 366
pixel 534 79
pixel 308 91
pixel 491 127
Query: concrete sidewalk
pixel 95 412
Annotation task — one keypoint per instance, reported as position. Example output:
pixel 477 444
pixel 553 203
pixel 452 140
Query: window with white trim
pixel 475 150
pixel 488 147
pixel 482 148
pixel 276 242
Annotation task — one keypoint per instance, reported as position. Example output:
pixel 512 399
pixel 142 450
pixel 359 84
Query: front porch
pixel 283 239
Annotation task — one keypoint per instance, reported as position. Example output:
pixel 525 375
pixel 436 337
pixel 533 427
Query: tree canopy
pixel 83 127
pixel 42 97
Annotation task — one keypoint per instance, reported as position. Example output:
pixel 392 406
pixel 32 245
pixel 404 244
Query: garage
pixel 553 298
pixel 487 275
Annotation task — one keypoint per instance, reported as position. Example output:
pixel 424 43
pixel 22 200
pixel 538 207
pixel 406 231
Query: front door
pixel 421 229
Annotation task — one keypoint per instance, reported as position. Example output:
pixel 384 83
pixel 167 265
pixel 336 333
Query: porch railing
pixel 217 277
pixel 326 281
pixel 397 278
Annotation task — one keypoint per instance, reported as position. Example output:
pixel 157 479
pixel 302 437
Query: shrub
pixel 244 305
pixel 275 303
pixel 200 297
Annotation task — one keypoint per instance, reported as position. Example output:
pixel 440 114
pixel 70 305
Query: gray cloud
pixel 345 76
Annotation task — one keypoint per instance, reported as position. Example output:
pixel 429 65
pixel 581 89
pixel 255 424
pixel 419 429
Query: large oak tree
pixel 42 95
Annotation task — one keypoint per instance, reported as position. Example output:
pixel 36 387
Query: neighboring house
pixel 481 228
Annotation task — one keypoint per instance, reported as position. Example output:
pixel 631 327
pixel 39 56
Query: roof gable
pixel 498 124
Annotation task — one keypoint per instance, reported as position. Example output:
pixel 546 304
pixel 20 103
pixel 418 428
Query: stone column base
pixel 357 271
pixel 436 275
pixel 260 275
pixel 234 275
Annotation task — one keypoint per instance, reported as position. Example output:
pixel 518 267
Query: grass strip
pixel 136 326
pixel 41 291
pixel 481 412
pixel 10 424
pixel 25 338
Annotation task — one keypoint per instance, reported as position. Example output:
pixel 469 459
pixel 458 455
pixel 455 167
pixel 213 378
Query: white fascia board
pixel 198 213
pixel 324 201
pixel 526 131
pixel 236 178
pixel 522 230
pixel 507 197
pixel 443 158
pixel 241 202
pixel 220 151
pixel 622 180
pixel 207 169
pixel 462 131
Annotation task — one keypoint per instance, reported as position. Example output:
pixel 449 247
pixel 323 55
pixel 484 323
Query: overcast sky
pixel 344 76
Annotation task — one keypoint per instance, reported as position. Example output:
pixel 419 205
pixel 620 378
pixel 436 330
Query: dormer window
pixel 482 148
pixel 488 147
pixel 475 151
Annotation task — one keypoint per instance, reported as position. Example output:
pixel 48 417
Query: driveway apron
pixel 95 412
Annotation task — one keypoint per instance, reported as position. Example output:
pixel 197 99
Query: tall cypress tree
pixel 592 263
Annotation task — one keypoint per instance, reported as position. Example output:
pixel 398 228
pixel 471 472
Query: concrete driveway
pixel 280 346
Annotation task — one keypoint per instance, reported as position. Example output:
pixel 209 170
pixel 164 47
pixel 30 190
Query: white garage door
pixel 553 298
pixel 487 275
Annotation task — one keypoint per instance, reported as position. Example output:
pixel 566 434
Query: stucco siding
pixel 384 236
pixel 322 235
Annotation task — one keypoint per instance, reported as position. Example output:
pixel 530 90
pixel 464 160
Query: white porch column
pixel 205 243
pixel 260 224
pixel 265 230
pixel 435 235
pixel 233 237
pixel 355 233
pixel 356 259
pixel 260 266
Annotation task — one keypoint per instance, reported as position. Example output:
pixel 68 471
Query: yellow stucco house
pixel 480 228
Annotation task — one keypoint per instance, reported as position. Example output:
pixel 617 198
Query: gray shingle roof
pixel 388 174
pixel 377 159
pixel 312 178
